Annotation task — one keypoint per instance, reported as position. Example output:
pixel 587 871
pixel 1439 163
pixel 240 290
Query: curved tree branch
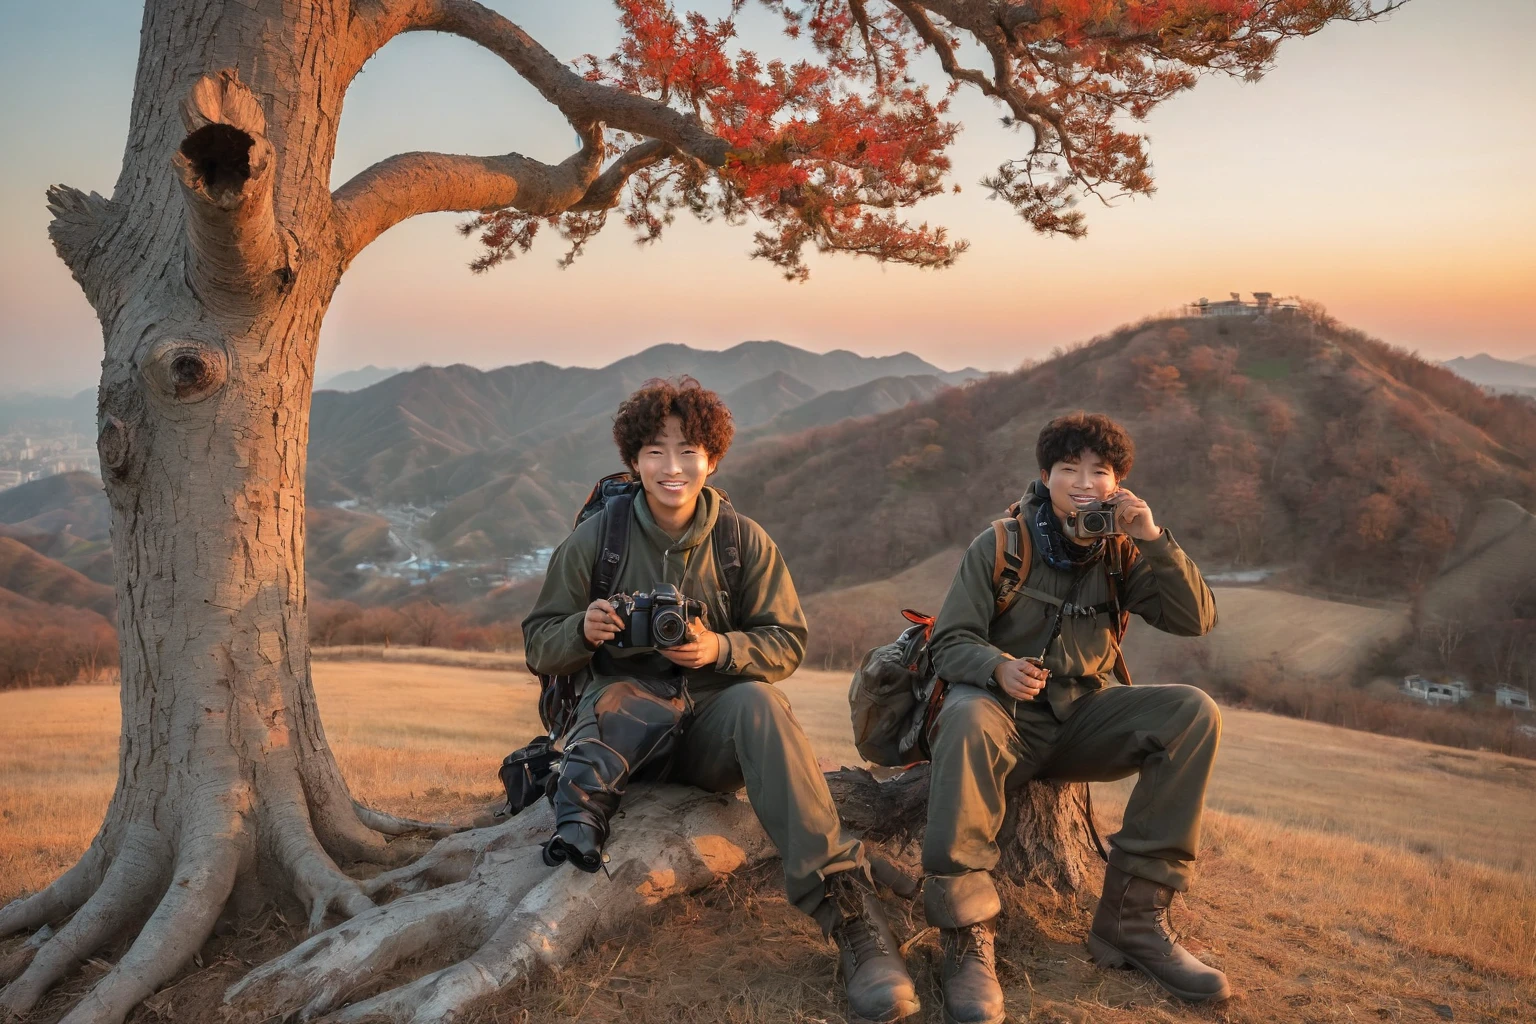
pixel 403 186
pixel 235 254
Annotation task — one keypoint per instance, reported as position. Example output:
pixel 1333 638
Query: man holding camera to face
pixel 676 658
pixel 1035 691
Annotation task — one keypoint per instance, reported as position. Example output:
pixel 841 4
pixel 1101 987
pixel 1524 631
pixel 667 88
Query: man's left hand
pixel 701 652
pixel 1134 517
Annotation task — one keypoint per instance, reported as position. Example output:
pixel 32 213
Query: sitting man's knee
pixel 751 700
pixel 971 715
pixel 1198 705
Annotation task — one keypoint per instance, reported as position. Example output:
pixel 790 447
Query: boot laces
pixel 1165 925
pixel 975 945
pixel 856 932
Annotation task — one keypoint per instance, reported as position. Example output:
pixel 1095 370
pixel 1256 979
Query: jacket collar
pixel 704 517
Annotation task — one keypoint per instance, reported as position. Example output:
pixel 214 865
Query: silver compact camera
pixel 1096 520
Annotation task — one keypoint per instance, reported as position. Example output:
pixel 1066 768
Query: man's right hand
pixel 600 624
pixel 1021 679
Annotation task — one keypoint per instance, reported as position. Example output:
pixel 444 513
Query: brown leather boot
pixel 879 988
pixel 971 992
pixel 1131 929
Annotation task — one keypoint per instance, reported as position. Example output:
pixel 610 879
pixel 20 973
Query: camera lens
pixel 669 627
pixel 1095 522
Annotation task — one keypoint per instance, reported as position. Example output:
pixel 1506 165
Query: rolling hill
pixel 72 501
pixel 456 438
pixel 1286 442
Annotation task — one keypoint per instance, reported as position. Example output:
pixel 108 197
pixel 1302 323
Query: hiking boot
pixel 971 992
pixel 1131 929
pixel 879 988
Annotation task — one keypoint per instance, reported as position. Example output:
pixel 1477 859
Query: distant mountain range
pixel 356 380
pixel 1496 374
pixel 505 455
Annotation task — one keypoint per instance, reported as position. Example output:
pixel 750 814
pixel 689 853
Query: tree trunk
pixel 210 270
pixel 1044 838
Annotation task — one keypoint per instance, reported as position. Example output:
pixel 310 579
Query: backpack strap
pixel 610 554
pixel 1122 555
pixel 726 538
pixel 1010 563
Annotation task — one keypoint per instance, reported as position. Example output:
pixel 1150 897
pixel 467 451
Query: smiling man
pixel 1034 667
pixel 703 711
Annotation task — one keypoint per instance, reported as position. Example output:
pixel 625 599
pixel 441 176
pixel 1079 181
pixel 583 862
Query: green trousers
pixel 1167 734
pixel 746 735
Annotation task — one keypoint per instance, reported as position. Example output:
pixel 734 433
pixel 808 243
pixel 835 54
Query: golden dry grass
pixel 1345 875
pixel 1309 635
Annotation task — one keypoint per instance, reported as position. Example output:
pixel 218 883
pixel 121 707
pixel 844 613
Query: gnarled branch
pixel 403 186
pixel 580 100
pixel 235 254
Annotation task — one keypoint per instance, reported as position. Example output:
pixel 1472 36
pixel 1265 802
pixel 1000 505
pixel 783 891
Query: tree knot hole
pixel 220 154
pixel 188 371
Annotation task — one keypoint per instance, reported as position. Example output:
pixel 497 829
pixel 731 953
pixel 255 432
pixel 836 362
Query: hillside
pixel 73 501
pixel 1287 442
pixel 1343 877
pixel 25 572
pixel 455 437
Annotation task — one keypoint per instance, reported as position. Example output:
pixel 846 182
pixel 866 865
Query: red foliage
pixel 825 152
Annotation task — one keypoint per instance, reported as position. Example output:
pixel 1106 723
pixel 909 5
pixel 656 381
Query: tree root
pixel 66 895
pixel 501 897
pixel 391 825
pixel 206 867
pixel 136 876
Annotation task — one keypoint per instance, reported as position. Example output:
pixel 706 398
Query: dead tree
pixel 210 268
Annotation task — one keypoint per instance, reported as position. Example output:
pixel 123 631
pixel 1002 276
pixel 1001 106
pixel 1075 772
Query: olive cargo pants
pixel 745 734
pixel 1168 734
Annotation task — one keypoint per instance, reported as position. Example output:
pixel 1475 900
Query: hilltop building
pixel 1263 303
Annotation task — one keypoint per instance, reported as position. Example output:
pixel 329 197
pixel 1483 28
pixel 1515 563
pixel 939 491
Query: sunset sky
pixel 1384 170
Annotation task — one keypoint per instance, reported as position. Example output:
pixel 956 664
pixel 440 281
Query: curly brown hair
pixel 706 420
pixel 1066 436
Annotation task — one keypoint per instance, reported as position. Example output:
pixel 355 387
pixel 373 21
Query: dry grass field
pixel 1346 876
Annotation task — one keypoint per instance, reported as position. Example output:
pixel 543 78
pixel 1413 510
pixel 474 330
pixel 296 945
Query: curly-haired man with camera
pixel 696 705
pixel 1033 663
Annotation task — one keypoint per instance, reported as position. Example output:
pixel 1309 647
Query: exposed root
pixel 137 875
pixel 66 895
pixel 17 960
pixel 316 878
pixel 205 875
pixel 454 858
pixel 667 840
pixel 391 825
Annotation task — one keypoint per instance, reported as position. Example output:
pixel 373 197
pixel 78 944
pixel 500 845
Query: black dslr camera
pixel 658 619
pixel 1096 520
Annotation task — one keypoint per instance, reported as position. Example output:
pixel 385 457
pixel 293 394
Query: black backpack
pixel 527 771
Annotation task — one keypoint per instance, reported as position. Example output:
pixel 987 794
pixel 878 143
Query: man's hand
pixel 1134 517
pixel 601 623
pixel 1021 678
pixel 701 652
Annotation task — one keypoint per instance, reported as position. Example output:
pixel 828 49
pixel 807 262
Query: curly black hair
pixel 706 420
pixel 1065 437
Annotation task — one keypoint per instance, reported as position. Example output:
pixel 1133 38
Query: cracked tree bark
pixel 211 268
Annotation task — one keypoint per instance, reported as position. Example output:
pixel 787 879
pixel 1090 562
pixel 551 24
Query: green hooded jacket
pixel 762 625
pixel 1163 586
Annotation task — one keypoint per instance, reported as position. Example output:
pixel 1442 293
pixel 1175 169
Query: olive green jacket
pixel 1163 586
pixel 762 626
